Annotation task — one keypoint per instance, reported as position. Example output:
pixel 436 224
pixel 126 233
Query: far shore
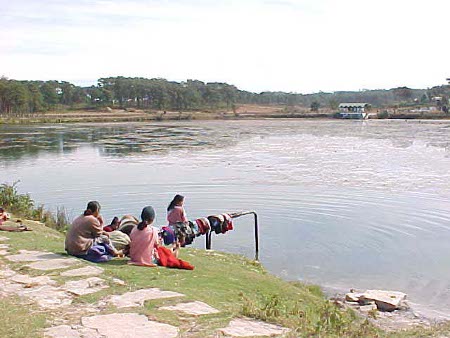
pixel 244 112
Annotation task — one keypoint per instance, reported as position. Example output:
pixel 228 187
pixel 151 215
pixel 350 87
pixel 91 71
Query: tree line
pixel 31 97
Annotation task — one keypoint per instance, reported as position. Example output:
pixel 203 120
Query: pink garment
pixel 177 214
pixel 143 245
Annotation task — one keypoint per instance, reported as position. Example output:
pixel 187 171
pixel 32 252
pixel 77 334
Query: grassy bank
pixel 234 285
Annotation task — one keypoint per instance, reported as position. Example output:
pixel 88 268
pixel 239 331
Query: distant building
pixel 353 110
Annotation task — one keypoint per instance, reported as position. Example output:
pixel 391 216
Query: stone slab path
pixel 33 256
pixel 78 320
pixel 137 298
pixel 86 271
pixel 246 327
pixel 85 286
pixel 53 264
pixel 192 308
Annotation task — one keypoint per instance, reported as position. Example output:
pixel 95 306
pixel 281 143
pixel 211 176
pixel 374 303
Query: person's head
pixel 115 223
pixel 93 208
pixel 177 201
pixel 147 216
pixel 2 210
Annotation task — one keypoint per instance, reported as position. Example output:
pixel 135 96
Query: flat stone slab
pixel 7 272
pixel 192 308
pixel 47 296
pixel 33 256
pixel 66 331
pixel 53 264
pixel 3 238
pixel 4 246
pixel 244 327
pixel 137 298
pixel 385 300
pixel 4 252
pixel 86 271
pixel 27 280
pixel 128 325
pixel 85 286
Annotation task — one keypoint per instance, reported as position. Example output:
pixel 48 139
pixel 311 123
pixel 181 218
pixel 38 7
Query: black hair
pixel 147 216
pixel 92 207
pixel 177 199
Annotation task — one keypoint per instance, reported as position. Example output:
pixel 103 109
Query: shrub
pixel 11 200
pixel 22 205
pixel 383 115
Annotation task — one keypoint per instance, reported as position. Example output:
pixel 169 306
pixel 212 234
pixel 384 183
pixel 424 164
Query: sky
pixel 300 46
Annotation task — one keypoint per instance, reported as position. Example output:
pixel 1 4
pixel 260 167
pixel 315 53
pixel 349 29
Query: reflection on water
pixel 341 203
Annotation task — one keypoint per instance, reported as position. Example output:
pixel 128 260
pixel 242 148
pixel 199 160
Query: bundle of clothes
pixel 185 233
pixel 181 233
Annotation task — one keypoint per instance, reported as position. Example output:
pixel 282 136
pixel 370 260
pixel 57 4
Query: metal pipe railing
pixel 236 215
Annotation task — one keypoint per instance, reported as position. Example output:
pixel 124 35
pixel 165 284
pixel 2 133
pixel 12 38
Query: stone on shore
pixel 3 238
pixel 384 300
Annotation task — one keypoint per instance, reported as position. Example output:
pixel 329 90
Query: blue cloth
pixel 98 253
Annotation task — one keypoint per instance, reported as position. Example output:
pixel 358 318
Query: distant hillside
pixel 30 97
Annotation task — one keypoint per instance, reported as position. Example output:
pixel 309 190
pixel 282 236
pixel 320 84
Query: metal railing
pixel 236 215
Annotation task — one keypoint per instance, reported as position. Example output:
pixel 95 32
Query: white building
pixel 353 110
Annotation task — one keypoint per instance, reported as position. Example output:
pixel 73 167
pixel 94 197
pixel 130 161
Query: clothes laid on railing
pixel 185 233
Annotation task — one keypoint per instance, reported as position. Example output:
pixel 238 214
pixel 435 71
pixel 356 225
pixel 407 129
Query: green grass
pixel 16 321
pixel 231 283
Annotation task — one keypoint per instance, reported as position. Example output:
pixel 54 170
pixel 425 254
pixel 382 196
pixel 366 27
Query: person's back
pixel 81 234
pixel 144 240
pixel 176 215
pixel 175 211
pixel 143 244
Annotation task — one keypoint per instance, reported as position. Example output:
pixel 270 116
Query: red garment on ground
pixel 167 259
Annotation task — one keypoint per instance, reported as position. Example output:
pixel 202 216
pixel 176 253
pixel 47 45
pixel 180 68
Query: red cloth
pixel 166 258
pixel 108 228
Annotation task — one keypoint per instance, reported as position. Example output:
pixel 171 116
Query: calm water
pixel 346 204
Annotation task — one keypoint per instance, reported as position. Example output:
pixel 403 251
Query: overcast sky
pixel 289 45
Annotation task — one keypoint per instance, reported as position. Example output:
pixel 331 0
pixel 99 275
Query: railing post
pixel 236 215
pixel 256 238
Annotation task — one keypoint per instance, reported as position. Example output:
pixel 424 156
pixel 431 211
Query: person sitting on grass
pixel 146 248
pixel 175 211
pixel 86 238
pixel 4 216
pixel 144 240
pixel 115 223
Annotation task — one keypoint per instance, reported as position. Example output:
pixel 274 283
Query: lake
pixel 345 204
